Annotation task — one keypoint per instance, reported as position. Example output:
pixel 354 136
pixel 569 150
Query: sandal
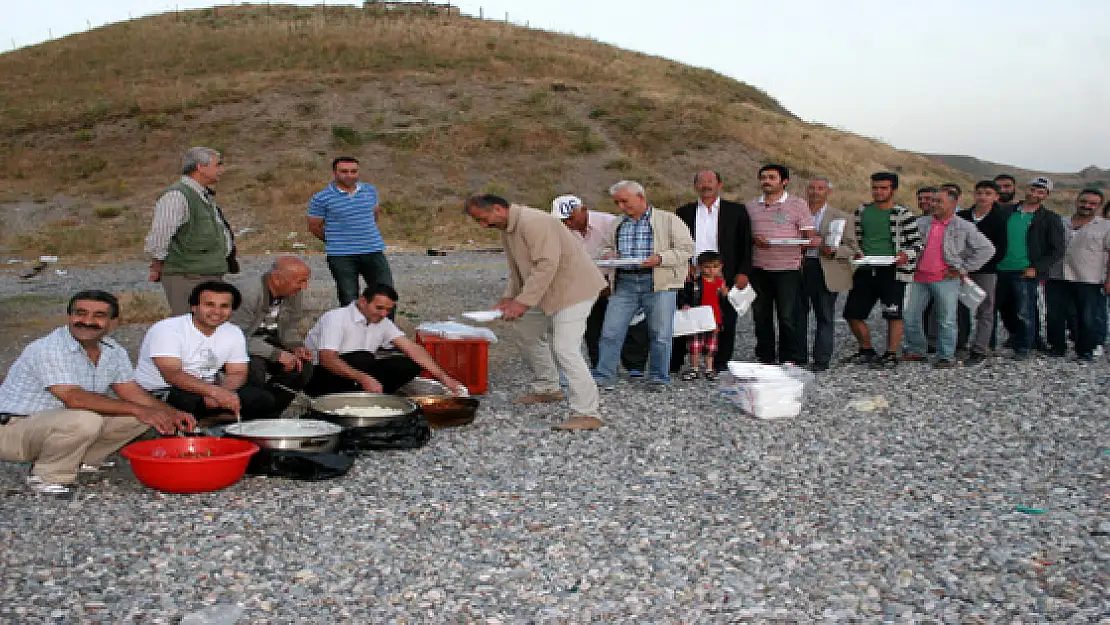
pixel 690 375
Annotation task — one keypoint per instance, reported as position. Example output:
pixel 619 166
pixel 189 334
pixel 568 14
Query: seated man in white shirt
pixel 198 362
pixel 345 340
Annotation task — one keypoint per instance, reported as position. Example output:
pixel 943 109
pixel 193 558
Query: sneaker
pixel 887 360
pixel 635 373
pixel 656 387
pixel 711 375
pixel 691 375
pixel 1097 353
pixel 975 358
pixel 50 489
pixel 95 468
pixel 862 357
pixel 912 358
pixel 944 363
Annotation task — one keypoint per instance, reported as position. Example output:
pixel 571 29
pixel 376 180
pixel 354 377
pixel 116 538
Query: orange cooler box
pixel 466 360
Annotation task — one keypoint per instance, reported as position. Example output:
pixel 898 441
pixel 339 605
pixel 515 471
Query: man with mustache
pixel 1078 285
pixel 55 410
pixel 721 226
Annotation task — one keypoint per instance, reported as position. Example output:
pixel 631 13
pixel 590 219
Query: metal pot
pixel 307 435
pixel 325 407
pixel 447 411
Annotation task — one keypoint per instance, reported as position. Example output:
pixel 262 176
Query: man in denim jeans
pixel 953 247
pixel 345 217
pixel 1034 243
pixel 661 245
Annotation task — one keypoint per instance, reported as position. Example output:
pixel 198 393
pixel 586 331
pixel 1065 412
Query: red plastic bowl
pixel 163 463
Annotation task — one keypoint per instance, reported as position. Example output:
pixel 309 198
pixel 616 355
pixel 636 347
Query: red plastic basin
pixel 189 464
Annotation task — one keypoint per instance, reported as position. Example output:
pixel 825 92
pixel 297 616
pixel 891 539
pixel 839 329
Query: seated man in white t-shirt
pixel 198 362
pixel 345 340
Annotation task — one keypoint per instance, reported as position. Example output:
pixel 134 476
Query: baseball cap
pixel 564 205
pixel 1041 181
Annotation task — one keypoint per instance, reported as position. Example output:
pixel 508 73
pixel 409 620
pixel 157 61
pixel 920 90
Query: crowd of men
pixel 73 397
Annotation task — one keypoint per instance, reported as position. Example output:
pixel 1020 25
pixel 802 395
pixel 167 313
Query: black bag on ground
pixel 300 465
pixel 405 432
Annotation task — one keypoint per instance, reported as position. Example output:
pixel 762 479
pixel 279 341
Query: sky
pixel 1013 81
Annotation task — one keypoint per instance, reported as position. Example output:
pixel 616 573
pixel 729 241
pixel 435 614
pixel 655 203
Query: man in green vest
pixel 190 240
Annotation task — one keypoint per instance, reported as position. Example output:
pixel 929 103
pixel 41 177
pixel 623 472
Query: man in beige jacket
pixel 658 246
pixel 826 271
pixel 552 287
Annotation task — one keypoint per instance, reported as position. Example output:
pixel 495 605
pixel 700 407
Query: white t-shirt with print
pixel 346 330
pixel 201 356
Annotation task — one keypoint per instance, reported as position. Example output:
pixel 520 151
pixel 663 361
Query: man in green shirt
pixel 1034 243
pixel 883 228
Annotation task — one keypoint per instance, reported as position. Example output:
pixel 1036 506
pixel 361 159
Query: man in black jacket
pixel 991 218
pixel 722 226
pixel 1034 243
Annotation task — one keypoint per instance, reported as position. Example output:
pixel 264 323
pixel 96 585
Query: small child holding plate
pixel 707 288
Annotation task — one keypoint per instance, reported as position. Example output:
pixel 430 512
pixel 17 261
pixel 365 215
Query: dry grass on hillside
pixel 436 107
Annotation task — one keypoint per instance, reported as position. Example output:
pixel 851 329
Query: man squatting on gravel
pixel 55 411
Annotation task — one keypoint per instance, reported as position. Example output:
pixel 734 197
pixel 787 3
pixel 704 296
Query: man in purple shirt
pixel 782 225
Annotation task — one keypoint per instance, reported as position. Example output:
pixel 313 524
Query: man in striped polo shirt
pixel 780 223
pixel 345 217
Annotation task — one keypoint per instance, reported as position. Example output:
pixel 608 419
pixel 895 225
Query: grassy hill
pixel 436 105
pixel 980 169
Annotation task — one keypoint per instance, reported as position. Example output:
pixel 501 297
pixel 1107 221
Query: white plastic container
pixel 765 391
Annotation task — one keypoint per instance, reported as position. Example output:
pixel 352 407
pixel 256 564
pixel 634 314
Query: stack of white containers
pixel 766 391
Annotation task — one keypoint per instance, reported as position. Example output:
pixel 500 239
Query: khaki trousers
pixel 178 286
pixel 546 340
pixel 59 441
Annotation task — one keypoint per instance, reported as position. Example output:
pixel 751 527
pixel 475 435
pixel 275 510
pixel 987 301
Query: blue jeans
pixel 373 267
pixel 631 293
pixel 945 296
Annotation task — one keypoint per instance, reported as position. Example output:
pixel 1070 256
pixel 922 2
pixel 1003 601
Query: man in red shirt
pixel 953 247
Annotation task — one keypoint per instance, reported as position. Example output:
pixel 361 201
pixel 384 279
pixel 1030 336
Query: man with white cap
pixel 592 227
pixel 1034 243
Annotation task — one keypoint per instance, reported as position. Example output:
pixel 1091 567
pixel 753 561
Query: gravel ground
pixel 680 510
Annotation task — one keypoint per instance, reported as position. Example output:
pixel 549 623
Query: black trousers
pixel 778 298
pixel 281 384
pixel 255 403
pixel 634 352
pixel 822 302
pixel 392 372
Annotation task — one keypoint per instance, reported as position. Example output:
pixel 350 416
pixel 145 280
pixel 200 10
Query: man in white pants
pixel 552 288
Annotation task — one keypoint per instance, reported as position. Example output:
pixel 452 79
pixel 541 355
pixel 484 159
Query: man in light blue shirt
pixel 345 217
pixel 55 411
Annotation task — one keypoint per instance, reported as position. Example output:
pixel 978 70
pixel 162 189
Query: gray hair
pixel 631 186
pixel 824 179
pixel 196 156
